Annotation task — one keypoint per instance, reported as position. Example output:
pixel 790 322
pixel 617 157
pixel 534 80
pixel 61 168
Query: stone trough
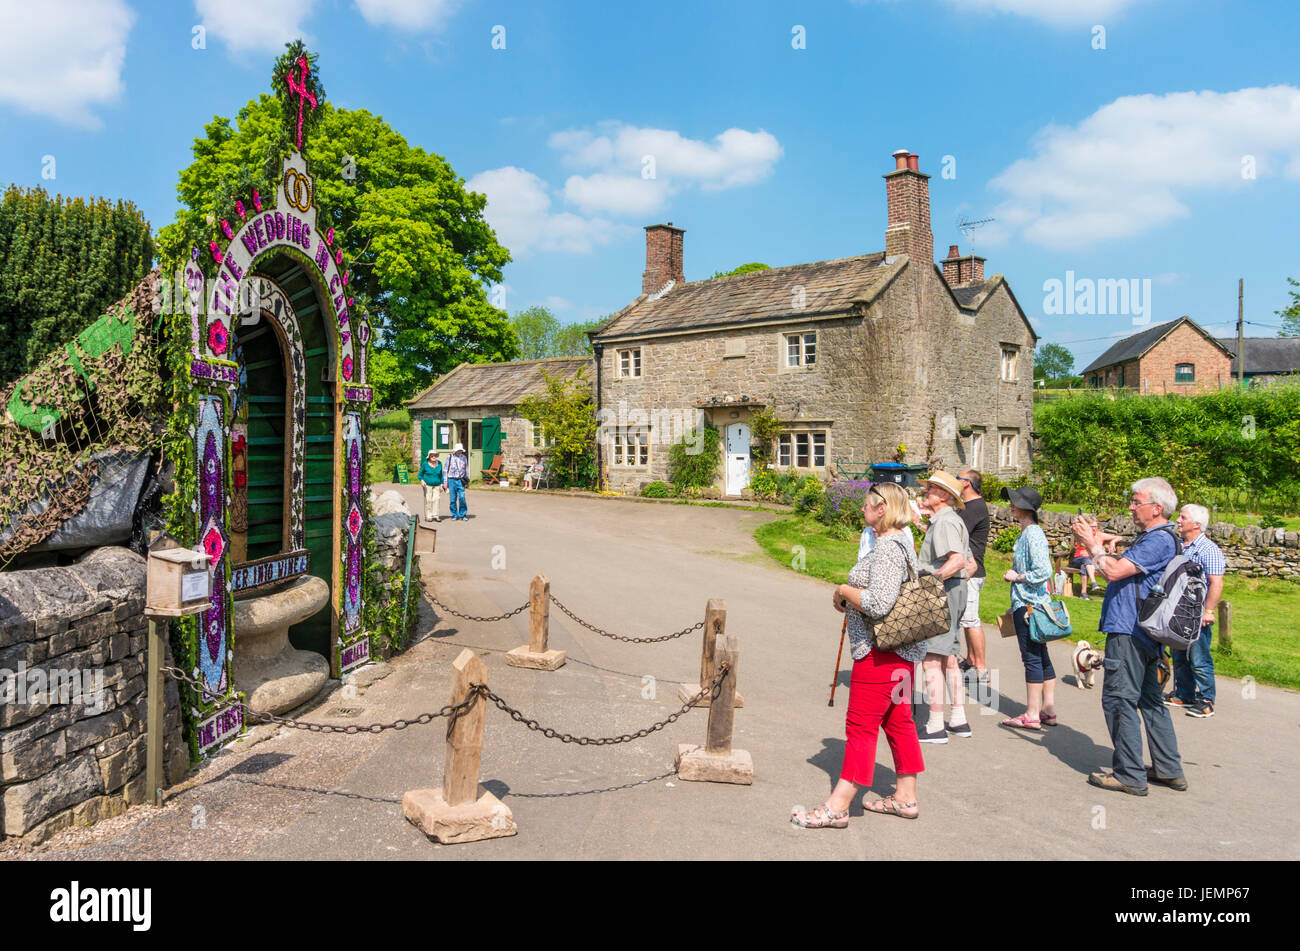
pixel 272 673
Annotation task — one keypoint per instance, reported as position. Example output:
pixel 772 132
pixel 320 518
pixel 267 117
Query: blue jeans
pixel 1131 685
pixel 1038 664
pixel 457 487
pixel 1194 669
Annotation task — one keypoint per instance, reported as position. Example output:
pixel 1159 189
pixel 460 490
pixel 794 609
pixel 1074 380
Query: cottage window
pixel 1185 373
pixel 1008 365
pixel 541 439
pixel 1007 450
pixel 1119 377
pixel 977 450
pixel 631 447
pixel 800 349
pixel 802 450
pixel 629 362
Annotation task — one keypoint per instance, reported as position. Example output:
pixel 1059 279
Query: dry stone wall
pixel 1250 551
pixel 73 655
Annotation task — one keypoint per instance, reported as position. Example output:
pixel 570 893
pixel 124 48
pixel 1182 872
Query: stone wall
pixel 516 443
pixel 391 526
pixel 76 753
pixel 1250 551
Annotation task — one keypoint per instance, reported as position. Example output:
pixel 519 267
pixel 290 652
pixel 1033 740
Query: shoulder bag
pixel 921 612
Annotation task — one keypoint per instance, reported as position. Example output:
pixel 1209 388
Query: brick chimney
pixel 663 257
pixel 907 194
pixel 962 270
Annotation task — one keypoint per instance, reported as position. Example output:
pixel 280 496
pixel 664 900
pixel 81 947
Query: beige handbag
pixel 920 612
pixel 1007 623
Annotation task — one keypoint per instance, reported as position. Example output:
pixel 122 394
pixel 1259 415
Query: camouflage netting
pixel 78 424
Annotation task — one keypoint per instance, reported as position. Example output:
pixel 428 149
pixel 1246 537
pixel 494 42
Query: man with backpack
pixel 1131 685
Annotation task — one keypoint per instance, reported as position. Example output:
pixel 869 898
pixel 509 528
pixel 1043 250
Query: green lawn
pixel 1265 636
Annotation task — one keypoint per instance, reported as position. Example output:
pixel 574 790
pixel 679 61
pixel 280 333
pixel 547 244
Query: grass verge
pixel 1265 636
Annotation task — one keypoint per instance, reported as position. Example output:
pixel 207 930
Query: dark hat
pixel 1026 497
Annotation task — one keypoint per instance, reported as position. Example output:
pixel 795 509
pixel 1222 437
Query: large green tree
pixel 1052 362
pixel 416 242
pixel 536 329
pixel 1291 314
pixel 63 262
pixel 572 339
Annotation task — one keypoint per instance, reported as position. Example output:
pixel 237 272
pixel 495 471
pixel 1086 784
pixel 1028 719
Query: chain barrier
pixel 471 617
pixel 630 638
pixel 451 710
pixel 713 689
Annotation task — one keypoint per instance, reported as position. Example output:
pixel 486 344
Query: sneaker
pixel 1108 781
pixel 939 736
pixel 1177 782
pixel 1095 589
pixel 1172 700
pixel 1204 710
pixel 961 729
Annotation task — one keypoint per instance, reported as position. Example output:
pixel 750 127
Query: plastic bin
pixel 899 473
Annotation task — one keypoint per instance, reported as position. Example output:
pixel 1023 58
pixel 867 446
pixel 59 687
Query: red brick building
pixel 1174 357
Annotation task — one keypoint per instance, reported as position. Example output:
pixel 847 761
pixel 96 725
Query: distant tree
pixel 537 330
pixel 63 262
pixel 743 269
pixel 572 340
pixel 1291 314
pixel 1052 362
pixel 565 413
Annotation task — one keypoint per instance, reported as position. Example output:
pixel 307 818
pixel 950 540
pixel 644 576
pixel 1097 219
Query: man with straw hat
pixel 945 552
pixel 457 476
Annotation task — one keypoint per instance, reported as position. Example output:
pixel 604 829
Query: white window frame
pixel 800 449
pixel 799 350
pixel 629 445
pixel 540 439
pixel 1191 366
pixel 1010 364
pixel 1008 449
pixel 629 363
pixel 977 449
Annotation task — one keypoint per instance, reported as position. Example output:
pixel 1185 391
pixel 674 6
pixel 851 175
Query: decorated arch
pixel 268 442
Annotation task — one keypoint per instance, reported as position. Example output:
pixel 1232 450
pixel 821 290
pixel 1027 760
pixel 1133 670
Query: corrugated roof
pixel 497 384
pixel 828 287
pixel 1266 354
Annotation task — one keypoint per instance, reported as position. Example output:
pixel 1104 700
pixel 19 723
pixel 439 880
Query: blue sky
pixel 1171 155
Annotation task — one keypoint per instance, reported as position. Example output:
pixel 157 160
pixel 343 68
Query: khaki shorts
pixel 971 616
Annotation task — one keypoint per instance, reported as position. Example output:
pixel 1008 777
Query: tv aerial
pixel 968 227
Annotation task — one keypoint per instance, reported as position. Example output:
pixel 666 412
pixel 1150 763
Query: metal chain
pixel 471 617
pixel 629 639
pixel 713 689
pixel 451 710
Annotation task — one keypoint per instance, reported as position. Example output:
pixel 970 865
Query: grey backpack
pixel 1171 613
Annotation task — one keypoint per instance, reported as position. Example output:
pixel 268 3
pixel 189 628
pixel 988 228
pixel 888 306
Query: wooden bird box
pixel 178 583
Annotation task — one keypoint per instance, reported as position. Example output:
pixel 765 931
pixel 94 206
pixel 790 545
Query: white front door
pixel 737 448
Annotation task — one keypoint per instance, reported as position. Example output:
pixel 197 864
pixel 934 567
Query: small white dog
pixel 1087 661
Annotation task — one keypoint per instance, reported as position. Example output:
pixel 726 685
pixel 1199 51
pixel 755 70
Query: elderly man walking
pixel 1131 684
pixel 1194 667
pixel 457 475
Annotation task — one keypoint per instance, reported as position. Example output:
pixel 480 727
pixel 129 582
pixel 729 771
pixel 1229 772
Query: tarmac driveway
pixel 649 569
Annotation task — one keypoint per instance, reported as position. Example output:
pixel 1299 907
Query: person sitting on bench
pixel 1080 560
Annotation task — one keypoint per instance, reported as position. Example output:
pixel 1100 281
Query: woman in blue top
pixel 1031 567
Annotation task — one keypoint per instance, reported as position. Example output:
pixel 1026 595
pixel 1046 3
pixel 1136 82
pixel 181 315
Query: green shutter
pixel 426 438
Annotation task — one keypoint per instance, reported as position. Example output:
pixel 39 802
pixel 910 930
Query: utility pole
pixel 1241 335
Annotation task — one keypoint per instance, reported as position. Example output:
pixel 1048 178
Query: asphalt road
pixel 649 569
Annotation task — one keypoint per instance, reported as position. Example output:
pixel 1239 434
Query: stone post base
pixel 695 764
pixel 523 657
pixel 487 818
pixel 686 691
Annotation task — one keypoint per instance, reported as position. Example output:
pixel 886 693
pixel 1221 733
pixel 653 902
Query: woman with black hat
pixel 1031 567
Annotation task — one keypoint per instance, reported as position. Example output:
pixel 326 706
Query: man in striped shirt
pixel 457 475
pixel 1194 667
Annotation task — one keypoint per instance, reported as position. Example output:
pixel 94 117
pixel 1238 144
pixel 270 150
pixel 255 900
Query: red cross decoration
pixel 303 93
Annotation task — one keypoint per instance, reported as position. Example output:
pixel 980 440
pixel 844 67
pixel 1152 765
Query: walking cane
pixel 836 679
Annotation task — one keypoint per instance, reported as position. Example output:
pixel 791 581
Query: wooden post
pixel 460 810
pixel 1225 627
pixel 715 625
pixel 717 761
pixel 535 654
pixel 154 718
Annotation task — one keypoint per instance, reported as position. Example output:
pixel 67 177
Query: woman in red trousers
pixel 880 692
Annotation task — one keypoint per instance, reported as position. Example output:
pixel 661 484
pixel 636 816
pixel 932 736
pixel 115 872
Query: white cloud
pixel 519 211
pixel 259 26
pixel 638 169
pixel 407 14
pixel 1133 164
pixel 62 59
pixel 1053 12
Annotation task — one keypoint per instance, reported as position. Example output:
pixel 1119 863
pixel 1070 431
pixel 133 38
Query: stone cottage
pixel 854 356
pixel 476 404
